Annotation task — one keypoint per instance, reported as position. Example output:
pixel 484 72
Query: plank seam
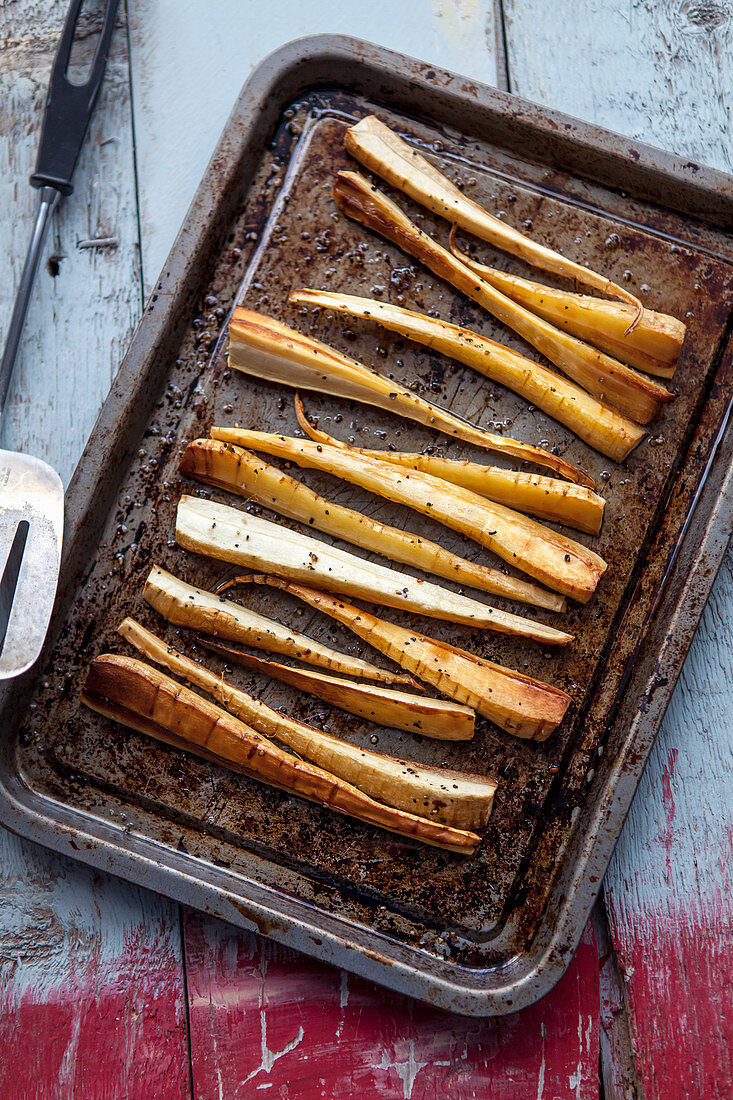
pixel 186 1002
pixel 503 76
pixel 618 1073
pixel 135 170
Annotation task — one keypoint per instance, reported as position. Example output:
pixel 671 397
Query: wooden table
pixel 107 991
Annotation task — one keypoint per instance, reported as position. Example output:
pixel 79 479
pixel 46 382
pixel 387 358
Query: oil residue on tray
pixel 289 233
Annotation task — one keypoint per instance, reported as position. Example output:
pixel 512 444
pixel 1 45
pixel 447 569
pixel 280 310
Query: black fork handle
pixel 69 106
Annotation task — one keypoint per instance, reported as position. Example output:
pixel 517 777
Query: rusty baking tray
pixel 490 934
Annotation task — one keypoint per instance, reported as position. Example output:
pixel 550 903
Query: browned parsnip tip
pixel 144 699
pixel 653 346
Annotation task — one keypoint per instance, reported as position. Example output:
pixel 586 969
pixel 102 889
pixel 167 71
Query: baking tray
pixel 491 934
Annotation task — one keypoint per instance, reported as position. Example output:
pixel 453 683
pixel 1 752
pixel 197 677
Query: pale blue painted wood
pixel 68 935
pixel 662 72
pixel 655 71
pixel 87 300
pixel 190 60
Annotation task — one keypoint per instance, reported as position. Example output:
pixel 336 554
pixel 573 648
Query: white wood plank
pixel 91 977
pixel 190 60
pixel 662 73
pixel 81 319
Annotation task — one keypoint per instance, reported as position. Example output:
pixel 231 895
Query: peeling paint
pixel 377 1044
pixel 406 1070
pixel 543 1064
pixel 269 1057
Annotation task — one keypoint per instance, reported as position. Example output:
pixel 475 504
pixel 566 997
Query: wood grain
pixel 264 1018
pixel 669 886
pixel 91 977
pixel 661 72
pixel 87 299
pixel 92 1000
pixel 657 70
pixel 93 966
pixel 178 121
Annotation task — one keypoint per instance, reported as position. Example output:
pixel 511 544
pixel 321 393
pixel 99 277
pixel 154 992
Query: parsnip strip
pixel 185 605
pixel 381 151
pixel 239 471
pixel 435 718
pixel 265 348
pixel 229 534
pixel 596 424
pixel 545 497
pixel 440 794
pixel 559 562
pixel 631 393
pixel 520 705
pixel 146 700
pixel 654 346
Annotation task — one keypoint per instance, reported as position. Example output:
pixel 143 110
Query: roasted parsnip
pixel 139 696
pixel 450 797
pixel 518 704
pixel 435 718
pixel 654 345
pixel 265 348
pixel 381 151
pixel 184 605
pixel 239 471
pixel 597 424
pixel 559 562
pixel 228 534
pixel 633 394
pixel 546 497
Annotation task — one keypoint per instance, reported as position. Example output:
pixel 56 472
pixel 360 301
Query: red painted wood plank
pixel 679 969
pixel 267 1021
pixel 669 889
pixel 92 998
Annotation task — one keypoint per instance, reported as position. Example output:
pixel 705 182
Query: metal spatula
pixel 31 493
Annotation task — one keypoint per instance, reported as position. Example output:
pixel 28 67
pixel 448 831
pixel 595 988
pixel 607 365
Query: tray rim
pixel 470 991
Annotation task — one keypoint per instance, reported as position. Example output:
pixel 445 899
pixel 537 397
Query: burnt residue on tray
pixel 289 233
